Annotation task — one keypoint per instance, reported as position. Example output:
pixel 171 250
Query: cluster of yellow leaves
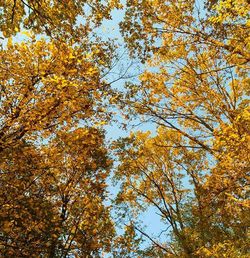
pixel 51 197
pixel 46 85
pixel 153 170
pixel 231 10
pixel 225 249
pixel 53 17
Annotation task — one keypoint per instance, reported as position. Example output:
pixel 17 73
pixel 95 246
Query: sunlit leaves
pixel 53 164
pixel 195 90
pixel 50 85
pixel 52 17
pixel 51 197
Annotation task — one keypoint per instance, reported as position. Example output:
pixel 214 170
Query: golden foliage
pixel 195 170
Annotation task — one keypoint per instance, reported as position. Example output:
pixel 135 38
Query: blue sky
pixel 153 225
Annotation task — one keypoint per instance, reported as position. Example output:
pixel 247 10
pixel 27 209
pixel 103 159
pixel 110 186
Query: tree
pixel 195 89
pixel 53 159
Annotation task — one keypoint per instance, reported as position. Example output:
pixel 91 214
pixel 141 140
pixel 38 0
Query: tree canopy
pixel 190 170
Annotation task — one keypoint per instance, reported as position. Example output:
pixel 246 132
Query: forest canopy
pixel 69 190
